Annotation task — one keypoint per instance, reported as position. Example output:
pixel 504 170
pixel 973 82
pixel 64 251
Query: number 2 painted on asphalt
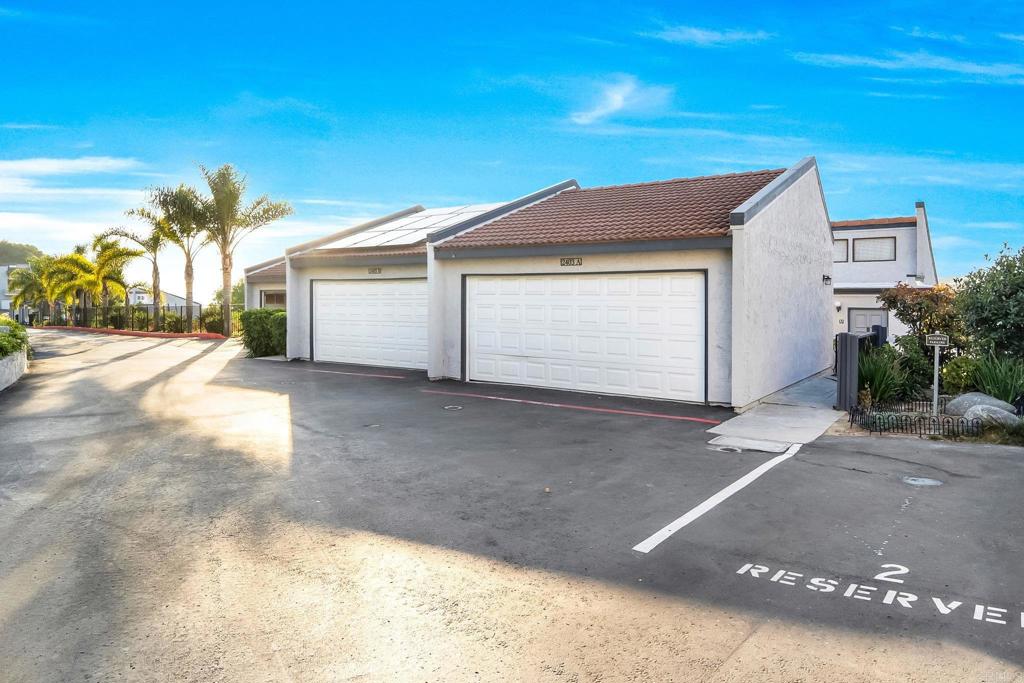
pixel 894 570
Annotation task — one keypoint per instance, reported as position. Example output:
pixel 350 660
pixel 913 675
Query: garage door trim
pixel 464 369
pixel 312 298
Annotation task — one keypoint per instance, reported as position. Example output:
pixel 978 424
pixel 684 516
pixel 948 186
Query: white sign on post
pixel 938 342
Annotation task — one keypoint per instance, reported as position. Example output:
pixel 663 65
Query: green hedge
pixel 16 339
pixel 264 332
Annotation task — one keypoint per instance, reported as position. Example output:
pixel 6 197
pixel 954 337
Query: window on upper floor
pixel 840 251
pixel 874 249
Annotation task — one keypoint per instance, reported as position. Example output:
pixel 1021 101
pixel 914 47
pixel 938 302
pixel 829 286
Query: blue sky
pixel 350 110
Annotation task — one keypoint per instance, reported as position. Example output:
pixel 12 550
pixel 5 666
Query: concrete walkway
pixel 797 414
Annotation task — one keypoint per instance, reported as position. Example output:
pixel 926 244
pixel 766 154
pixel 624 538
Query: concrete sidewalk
pixel 797 414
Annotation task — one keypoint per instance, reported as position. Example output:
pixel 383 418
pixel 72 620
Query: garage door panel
pixel 635 334
pixel 371 322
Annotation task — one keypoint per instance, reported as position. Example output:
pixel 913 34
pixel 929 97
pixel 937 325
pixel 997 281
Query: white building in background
pixel 6 305
pixel 873 254
pixel 142 297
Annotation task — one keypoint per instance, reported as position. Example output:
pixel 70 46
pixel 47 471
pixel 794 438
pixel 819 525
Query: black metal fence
pixel 148 318
pixel 922 424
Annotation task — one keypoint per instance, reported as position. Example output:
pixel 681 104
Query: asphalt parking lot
pixel 170 509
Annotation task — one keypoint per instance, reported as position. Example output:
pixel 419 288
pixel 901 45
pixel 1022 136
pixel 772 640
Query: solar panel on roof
pixel 411 229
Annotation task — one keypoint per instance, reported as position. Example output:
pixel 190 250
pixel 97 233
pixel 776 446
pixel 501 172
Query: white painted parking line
pixel 652 541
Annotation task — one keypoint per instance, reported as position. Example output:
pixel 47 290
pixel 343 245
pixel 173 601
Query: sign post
pixel 938 342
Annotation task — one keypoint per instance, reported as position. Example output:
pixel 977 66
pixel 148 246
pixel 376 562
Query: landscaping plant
pixel 1001 377
pixel 958 375
pixel 928 310
pixel 991 301
pixel 881 374
pixel 14 339
pixel 264 332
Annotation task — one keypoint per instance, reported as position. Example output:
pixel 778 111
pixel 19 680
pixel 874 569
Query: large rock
pixel 961 404
pixel 990 415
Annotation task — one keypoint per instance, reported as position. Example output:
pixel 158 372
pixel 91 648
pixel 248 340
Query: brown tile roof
pixel 274 273
pixel 868 222
pixel 666 210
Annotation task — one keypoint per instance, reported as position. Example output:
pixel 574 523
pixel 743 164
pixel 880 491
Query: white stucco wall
pixel 848 301
pixel 12 367
pixel 782 311
pixel 298 288
pixel 253 290
pixel 445 318
pixel 854 272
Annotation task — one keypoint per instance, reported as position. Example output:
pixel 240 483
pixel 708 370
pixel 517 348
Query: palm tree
pixel 230 222
pixel 187 221
pixel 96 280
pixel 59 287
pixel 28 284
pixel 150 244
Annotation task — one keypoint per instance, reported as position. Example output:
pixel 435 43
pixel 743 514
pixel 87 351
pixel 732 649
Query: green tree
pixel 29 284
pixel 150 244
pixel 186 227
pixel 991 300
pixel 101 277
pixel 14 252
pixel 237 294
pixel 231 221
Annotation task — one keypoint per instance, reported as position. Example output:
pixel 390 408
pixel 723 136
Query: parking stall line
pixel 655 539
pixel 570 406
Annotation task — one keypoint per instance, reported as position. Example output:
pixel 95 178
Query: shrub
pixel 171 322
pixel 917 364
pixel 927 310
pixel 211 320
pixel 991 301
pixel 14 340
pixel 1000 376
pixel 264 332
pixel 880 373
pixel 958 375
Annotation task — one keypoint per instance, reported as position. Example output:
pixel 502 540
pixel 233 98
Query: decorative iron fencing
pixel 138 317
pixel 881 421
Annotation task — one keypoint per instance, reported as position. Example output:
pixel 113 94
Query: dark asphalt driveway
pixel 169 509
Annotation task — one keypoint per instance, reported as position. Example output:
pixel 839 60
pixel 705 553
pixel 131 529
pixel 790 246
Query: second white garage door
pixel 371 322
pixel 638 334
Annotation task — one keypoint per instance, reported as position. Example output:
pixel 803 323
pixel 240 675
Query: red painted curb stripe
pixel 570 406
pixel 132 333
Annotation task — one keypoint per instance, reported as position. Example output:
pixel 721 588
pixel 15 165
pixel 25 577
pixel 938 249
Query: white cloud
pixel 51 166
pixel 954 242
pixel 27 126
pixel 995 225
pixel 350 203
pixel 906 95
pixel 994 72
pixel 1015 37
pixel 625 94
pixel 621 130
pixel 918 32
pixel 26 190
pixel 705 37
pixel 923 171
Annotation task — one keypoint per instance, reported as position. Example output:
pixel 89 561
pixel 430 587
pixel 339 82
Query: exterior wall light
pixel 839 306
pixel 827 279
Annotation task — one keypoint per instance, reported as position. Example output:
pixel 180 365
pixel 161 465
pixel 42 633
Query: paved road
pixel 171 510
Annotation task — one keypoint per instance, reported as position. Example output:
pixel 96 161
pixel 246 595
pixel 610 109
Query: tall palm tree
pixel 187 221
pixel 28 284
pixel 59 287
pixel 150 244
pixel 230 221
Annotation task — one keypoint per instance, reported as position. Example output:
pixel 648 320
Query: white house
pixel 143 297
pixel 712 290
pixel 873 254
pixel 265 285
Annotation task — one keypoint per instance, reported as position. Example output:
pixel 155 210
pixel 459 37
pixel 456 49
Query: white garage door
pixel 639 334
pixel 371 322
